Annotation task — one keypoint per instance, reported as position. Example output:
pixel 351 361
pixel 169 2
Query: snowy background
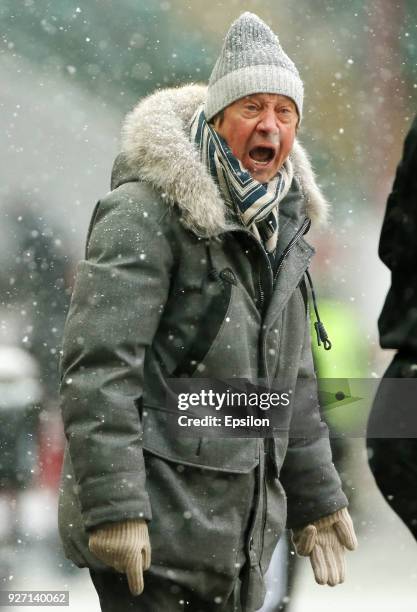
pixel 69 73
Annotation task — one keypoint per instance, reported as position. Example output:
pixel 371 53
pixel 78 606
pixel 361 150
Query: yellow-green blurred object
pixel 342 407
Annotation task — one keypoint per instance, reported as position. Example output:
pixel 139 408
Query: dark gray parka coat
pixel 173 285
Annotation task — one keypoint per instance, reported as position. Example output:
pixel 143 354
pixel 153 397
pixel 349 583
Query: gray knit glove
pixel 324 541
pixel 126 547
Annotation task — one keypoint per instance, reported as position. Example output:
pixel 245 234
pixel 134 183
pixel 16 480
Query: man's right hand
pixel 126 547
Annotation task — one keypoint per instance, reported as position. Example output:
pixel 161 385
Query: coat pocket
pixel 234 352
pixel 216 298
pixel 199 521
pixel 234 455
pixel 225 342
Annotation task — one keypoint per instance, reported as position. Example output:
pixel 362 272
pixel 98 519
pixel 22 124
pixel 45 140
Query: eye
pixel 286 114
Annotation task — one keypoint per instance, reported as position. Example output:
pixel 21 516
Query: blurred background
pixel 69 72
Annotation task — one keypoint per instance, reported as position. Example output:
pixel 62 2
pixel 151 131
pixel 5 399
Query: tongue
pixel 260 154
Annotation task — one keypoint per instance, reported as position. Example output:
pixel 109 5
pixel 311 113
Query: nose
pixel 268 123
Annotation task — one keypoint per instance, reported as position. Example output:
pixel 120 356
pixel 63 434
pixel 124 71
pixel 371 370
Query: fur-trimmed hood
pixel 156 149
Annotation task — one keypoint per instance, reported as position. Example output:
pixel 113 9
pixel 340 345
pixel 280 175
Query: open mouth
pixel 262 154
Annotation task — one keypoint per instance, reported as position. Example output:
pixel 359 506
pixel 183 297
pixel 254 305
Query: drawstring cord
pixel 321 332
pixel 318 325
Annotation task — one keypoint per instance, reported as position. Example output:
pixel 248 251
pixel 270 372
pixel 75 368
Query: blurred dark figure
pixel 35 283
pixel 44 269
pixel 20 396
pixel 393 461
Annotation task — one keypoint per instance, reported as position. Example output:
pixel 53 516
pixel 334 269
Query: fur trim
pixel 317 207
pixel 155 144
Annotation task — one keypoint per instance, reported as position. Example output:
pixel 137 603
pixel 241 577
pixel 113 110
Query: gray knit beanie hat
pixel 251 61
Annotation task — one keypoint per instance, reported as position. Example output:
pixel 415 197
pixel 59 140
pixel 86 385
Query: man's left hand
pixel 324 541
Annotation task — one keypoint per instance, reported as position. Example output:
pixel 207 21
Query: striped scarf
pixel 255 203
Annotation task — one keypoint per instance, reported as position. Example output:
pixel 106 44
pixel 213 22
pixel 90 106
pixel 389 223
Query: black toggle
pixel 322 335
pixel 321 332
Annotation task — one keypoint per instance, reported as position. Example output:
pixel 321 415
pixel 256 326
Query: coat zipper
pixel 322 336
pixel 261 294
pixel 266 259
pixel 303 230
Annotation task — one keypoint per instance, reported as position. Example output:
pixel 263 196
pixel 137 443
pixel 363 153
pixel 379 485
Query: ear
pixel 217 125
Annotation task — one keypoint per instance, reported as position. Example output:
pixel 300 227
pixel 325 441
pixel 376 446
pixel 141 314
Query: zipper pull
pixel 322 336
pixel 212 272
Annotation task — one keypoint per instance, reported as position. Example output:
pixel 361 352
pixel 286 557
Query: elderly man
pixel 195 267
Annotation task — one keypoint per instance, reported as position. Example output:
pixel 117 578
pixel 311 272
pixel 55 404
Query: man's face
pixel 260 130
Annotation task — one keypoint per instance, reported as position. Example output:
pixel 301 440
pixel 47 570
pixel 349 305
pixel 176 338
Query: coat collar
pixel 156 148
